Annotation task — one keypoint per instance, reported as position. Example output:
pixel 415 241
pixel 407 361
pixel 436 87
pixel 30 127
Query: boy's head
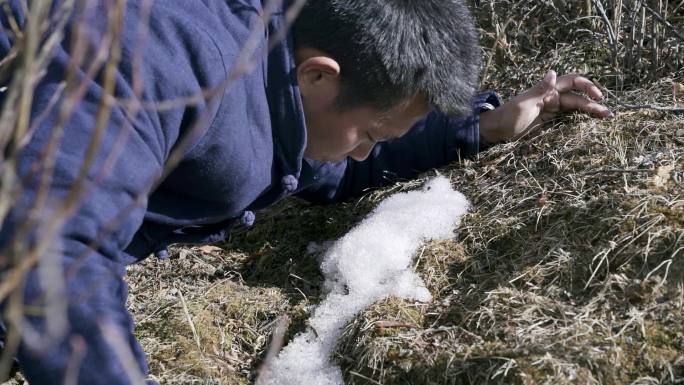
pixel 368 69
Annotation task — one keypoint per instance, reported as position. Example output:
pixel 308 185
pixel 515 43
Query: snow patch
pixel 373 261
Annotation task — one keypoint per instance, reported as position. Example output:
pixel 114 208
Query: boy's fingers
pixel 574 82
pixel 574 102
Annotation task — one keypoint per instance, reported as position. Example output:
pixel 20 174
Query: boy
pixel 358 92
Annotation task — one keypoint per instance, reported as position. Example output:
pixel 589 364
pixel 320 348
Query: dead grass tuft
pixel 198 320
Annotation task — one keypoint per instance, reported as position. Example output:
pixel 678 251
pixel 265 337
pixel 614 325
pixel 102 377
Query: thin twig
pixel 277 342
pixel 615 171
pixel 661 19
pixel 116 339
pixel 628 106
pixel 609 25
pixel 195 335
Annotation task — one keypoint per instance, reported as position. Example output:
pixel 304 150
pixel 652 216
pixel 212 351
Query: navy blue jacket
pixel 241 150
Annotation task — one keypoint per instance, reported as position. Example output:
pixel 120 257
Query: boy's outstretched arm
pixel 439 139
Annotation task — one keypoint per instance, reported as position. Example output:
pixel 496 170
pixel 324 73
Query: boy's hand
pixel 531 109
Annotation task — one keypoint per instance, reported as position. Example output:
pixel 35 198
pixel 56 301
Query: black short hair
pixel 389 50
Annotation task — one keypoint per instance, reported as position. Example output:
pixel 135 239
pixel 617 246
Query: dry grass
pixel 233 296
pixel 199 320
pixel 569 269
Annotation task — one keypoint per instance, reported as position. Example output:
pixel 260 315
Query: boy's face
pixel 332 135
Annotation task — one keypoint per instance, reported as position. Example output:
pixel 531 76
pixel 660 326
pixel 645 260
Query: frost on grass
pixel 372 262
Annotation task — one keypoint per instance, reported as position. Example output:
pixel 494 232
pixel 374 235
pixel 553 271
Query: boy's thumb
pixel 549 82
pixel 545 86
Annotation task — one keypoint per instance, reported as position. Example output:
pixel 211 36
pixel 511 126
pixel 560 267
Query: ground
pixel 568 269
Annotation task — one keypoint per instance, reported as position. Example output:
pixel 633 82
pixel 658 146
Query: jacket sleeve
pixel 434 141
pixel 79 323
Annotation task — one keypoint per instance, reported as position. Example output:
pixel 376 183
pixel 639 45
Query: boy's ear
pixel 318 75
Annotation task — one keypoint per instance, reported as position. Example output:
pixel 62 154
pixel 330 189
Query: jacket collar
pixel 284 99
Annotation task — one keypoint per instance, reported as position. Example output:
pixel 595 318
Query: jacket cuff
pixel 486 101
pixel 464 133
